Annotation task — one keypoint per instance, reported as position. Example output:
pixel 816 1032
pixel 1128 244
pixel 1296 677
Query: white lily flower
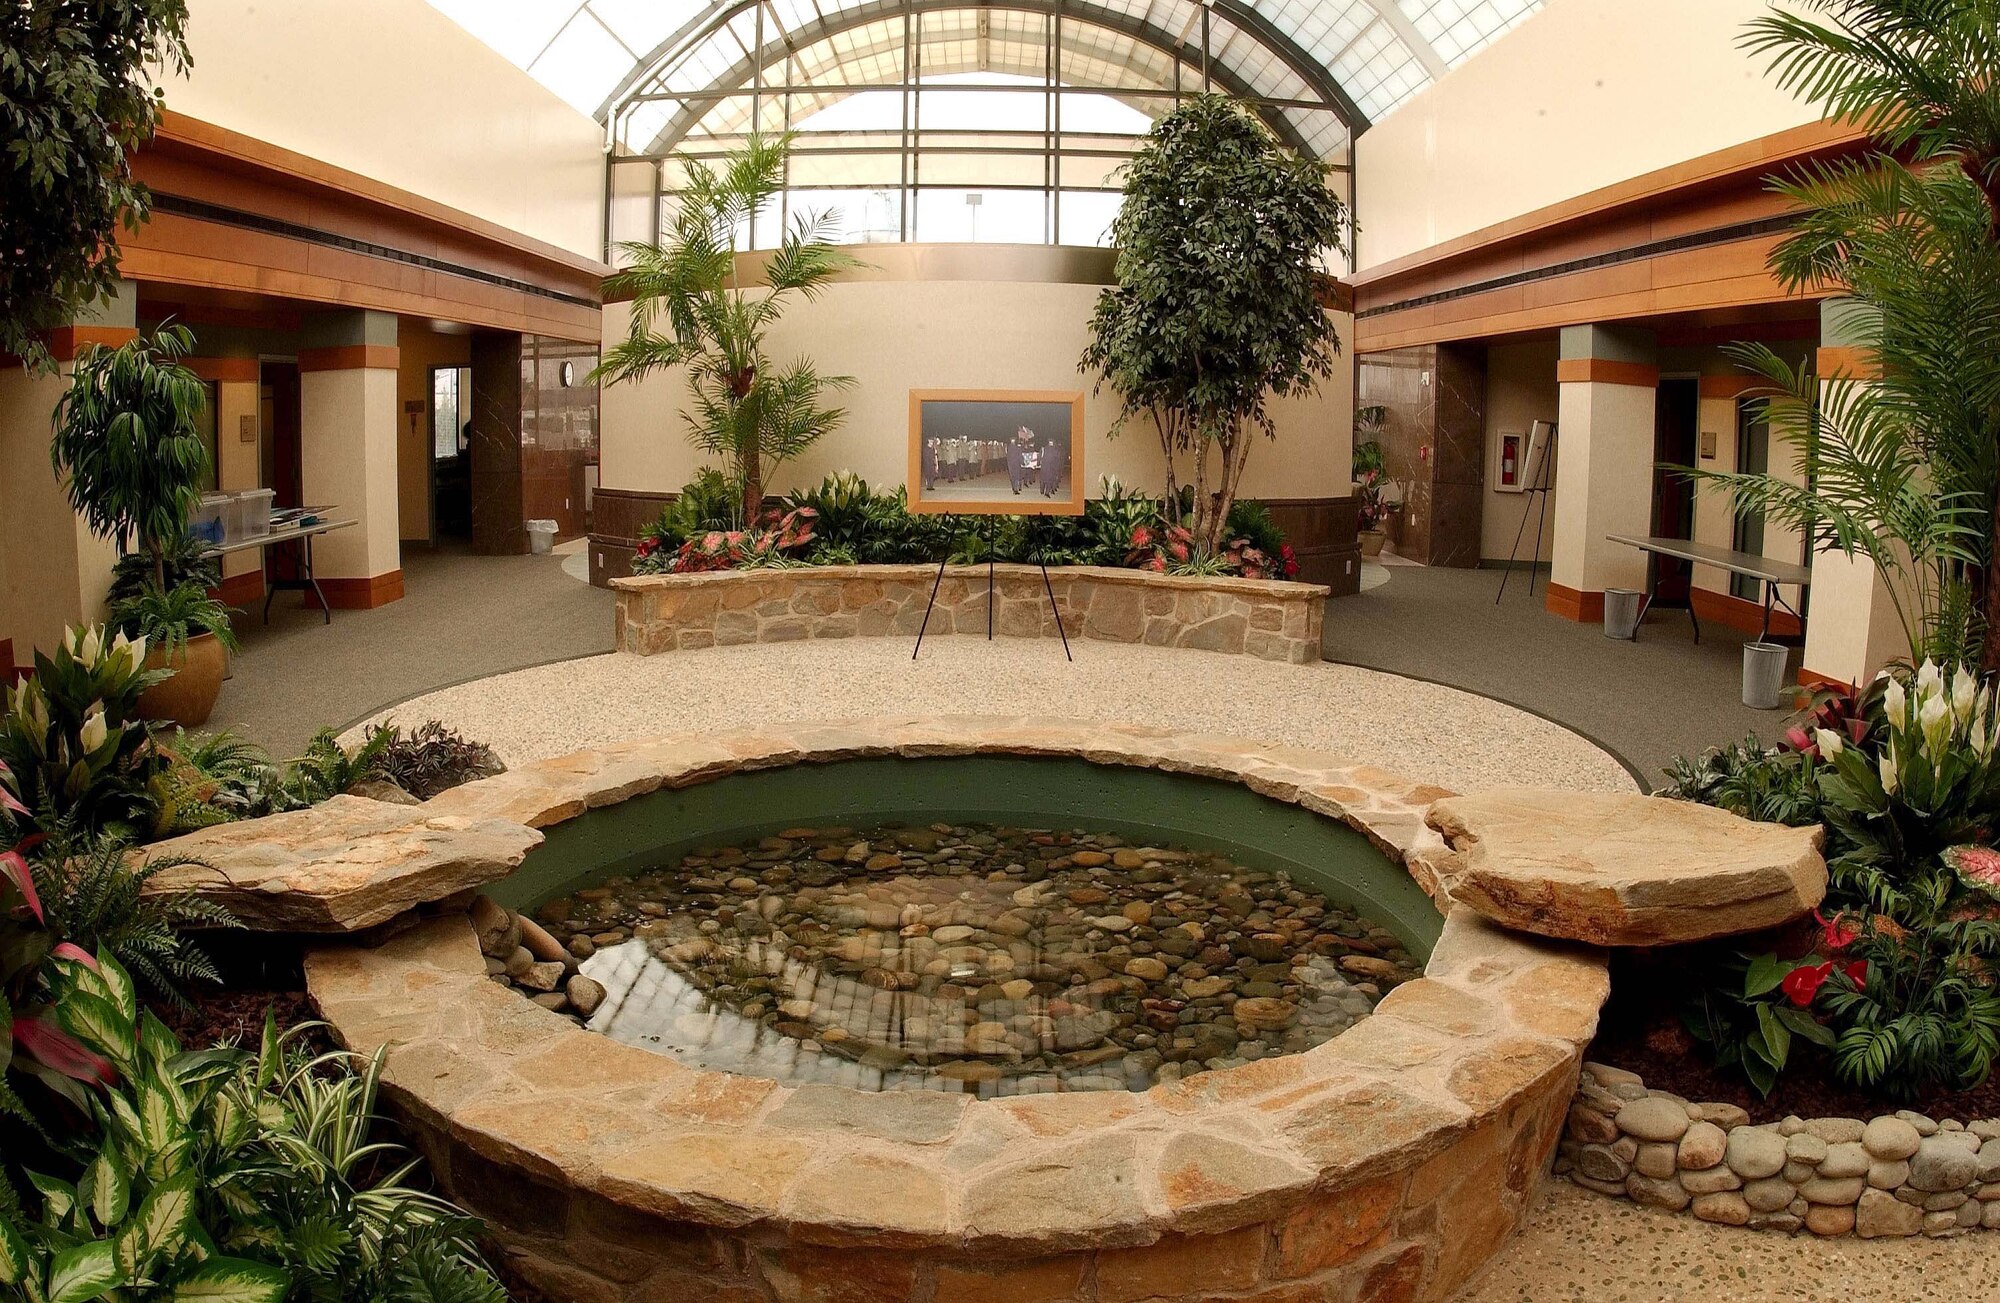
pixel 92 644
pixel 1964 693
pixel 137 650
pixel 95 730
pixel 1930 678
pixel 1829 743
pixel 1888 768
pixel 1934 720
pixel 1896 705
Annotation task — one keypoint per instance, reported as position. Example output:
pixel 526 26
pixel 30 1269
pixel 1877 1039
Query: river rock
pixel 1941 1164
pixel 1845 1159
pixel 1754 1153
pixel 1725 1208
pixel 585 994
pixel 1656 1193
pixel 1890 1138
pixel 1702 1146
pixel 1654 1118
pixel 1880 1214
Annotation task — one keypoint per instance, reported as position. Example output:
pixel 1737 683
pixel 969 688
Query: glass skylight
pixel 1373 54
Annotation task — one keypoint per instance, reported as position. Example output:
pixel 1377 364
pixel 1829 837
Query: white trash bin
pixel 541 536
pixel 1621 613
pixel 1764 665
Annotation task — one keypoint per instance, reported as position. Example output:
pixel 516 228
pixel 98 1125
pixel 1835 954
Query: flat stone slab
pixel 346 864
pixel 1619 869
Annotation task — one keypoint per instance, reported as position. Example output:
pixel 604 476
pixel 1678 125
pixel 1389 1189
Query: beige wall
pixel 347 456
pixel 237 465
pixel 418 350
pixel 1520 390
pixel 894 336
pixel 53 571
pixel 396 91
pixel 1585 94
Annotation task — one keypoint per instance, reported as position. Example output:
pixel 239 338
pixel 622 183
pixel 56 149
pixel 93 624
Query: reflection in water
pixel 969 957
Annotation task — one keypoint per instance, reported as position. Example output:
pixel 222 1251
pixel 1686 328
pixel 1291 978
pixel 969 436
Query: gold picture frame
pixel 968 457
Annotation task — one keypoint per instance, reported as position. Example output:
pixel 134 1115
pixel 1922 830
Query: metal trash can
pixel 541 536
pixel 1621 613
pixel 1764 665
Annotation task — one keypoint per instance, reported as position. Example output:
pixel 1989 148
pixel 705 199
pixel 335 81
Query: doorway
pixel 279 419
pixel 450 403
pixel 1676 434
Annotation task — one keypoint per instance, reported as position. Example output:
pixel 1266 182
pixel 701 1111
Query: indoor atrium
pixel 999 651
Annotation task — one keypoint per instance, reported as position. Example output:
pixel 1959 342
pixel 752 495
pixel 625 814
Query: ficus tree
pixel 76 95
pixel 1919 253
pixel 691 309
pixel 127 446
pixel 1220 303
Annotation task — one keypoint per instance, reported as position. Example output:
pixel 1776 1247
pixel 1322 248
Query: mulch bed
pixel 235 1015
pixel 1641 1031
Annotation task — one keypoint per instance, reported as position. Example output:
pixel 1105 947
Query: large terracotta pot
pixel 187 697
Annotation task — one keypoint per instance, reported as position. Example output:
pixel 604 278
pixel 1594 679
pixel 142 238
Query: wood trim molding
pixel 344 594
pixel 1607 371
pixel 1573 604
pixel 225 370
pixel 1840 363
pixel 349 357
pixel 1813 681
pixel 1732 386
pixel 178 129
pixel 1752 158
pixel 65 342
pixel 240 590
pixel 1741 615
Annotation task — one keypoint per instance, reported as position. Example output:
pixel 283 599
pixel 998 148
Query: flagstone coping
pixel 1405 1147
pixel 1276 620
pixel 1619 869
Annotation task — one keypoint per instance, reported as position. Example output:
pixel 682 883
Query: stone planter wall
pixel 1899 1174
pixel 1272 620
pixel 1384 1166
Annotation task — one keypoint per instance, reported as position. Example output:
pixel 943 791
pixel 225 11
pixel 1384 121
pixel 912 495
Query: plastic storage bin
pixel 541 535
pixel 250 513
pixel 209 521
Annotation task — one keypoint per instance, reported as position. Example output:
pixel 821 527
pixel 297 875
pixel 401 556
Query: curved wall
pixel 958 317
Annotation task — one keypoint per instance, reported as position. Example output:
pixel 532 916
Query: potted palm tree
pixel 130 454
pixel 690 310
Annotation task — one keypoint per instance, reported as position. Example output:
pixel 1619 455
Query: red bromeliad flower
pixel 14 869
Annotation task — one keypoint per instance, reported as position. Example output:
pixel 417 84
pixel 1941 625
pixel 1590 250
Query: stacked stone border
pixel 1895 1175
pixel 1270 619
pixel 1388 1164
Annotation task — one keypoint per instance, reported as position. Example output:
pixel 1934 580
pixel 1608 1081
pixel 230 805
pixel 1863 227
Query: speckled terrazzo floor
pixel 1420 730
pixel 1580 1247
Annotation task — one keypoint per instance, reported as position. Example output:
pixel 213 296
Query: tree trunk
pixel 753 488
pixel 159 564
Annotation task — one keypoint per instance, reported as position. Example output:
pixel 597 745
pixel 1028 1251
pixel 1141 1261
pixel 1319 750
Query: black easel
pixel 1048 586
pixel 1539 488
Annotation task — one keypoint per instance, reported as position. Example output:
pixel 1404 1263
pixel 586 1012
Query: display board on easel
pixel 993 453
pixel 1536 473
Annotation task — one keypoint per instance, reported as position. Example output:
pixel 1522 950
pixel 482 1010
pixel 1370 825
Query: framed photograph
pixel 1003 452
pixel 1507 466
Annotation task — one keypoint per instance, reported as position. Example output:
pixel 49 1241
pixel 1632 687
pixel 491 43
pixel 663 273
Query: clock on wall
pixel 568 374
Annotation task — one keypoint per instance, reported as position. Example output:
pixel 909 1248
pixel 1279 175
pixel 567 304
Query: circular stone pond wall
pixel 1387 1163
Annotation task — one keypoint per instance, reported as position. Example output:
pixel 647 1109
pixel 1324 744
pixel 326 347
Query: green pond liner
pixel 1145 806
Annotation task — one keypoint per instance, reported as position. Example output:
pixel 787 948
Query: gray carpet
pixel 462 617
pixel 1647 701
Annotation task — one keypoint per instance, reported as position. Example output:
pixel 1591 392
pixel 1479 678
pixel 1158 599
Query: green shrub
pixel 73 740
pixel 182 559
pixel 225 1174
pixel 166 620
